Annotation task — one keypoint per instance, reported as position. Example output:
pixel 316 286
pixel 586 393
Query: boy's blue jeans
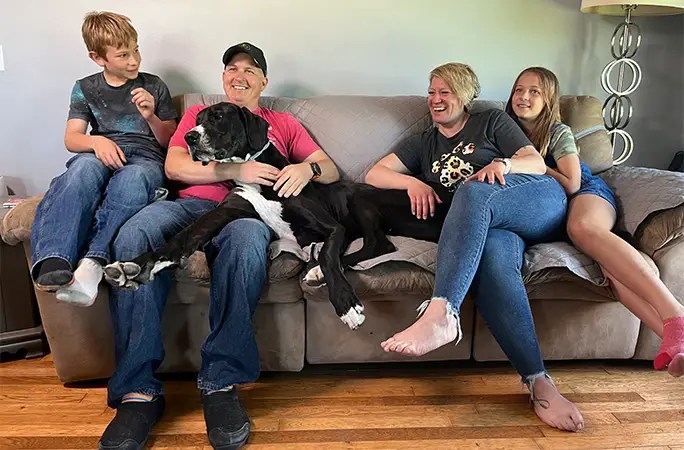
pixel 482 243
pixel 237 258
pixel 86 205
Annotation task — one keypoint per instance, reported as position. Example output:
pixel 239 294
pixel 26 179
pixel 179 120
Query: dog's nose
pixel 192 137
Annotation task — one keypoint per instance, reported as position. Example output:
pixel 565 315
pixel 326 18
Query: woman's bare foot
pixel 435 327
pixel 553 409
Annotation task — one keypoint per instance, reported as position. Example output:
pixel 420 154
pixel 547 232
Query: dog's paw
pixel 354 318
pixel 132 285
pixel 120 274
pixel 314 277
pixel 161 265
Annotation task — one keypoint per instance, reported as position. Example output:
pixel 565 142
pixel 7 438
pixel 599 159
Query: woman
pixel 534 105
pixel 502 200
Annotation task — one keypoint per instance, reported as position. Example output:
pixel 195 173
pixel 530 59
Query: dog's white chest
pixel 270 212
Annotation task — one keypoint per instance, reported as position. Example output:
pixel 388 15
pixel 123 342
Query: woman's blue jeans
pixel 482 244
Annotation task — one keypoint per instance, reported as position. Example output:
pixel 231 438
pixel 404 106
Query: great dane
pixel 334 214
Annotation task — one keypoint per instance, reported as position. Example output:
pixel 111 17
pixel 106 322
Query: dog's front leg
pixel 341 293
pixel 142 269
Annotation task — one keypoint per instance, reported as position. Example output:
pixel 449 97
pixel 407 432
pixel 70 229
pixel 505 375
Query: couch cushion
pixel 329 341
pixel 279 330
pixel 538 259
pixel 660 228
pixel 190 291
pixel 559 284
pixel 571 330
pixel 282 267
pixel 394 277
pixel 583 114
pixel 381 124
pixel 641 191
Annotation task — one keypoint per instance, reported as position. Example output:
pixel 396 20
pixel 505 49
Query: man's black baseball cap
pixel 252 50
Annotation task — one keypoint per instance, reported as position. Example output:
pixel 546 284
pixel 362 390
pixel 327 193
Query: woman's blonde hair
pixel 461 79
pixel 101 29
pixel 540 135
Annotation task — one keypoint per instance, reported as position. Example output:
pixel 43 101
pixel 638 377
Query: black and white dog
pixel 334 214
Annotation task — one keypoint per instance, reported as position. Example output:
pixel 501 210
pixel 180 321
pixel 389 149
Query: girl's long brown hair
pixel 540 135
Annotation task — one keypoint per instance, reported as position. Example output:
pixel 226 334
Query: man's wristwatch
pixel 316 170
pixel 506 162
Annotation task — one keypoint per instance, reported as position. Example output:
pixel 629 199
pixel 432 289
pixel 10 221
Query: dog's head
pixel 226 133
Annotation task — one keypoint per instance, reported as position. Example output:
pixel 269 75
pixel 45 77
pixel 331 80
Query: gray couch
pixel 576 317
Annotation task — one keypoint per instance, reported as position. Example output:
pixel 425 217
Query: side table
pixel 21 334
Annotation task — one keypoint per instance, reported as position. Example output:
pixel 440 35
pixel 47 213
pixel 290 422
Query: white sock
pixel 83 291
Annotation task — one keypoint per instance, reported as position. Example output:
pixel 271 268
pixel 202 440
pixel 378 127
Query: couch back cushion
pixel 357 131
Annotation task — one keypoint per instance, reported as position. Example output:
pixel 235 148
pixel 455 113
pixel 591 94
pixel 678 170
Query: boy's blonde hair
pixel 103 28
pixel 461 79
pixel 550 114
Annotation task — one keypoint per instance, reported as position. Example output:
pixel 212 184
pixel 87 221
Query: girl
pixel 534 104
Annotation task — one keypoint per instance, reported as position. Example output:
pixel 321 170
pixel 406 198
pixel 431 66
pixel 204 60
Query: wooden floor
pixel 626 405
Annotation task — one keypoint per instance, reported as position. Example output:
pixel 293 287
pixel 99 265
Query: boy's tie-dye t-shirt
pixel 110 112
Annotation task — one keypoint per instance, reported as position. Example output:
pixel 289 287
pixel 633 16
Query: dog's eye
pixel 216 116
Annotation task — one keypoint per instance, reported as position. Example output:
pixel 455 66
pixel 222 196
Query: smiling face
pixel 244 81
pixel 446 108
pixel 527 99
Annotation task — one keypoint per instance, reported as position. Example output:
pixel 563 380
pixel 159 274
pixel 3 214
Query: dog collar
pixel 257 154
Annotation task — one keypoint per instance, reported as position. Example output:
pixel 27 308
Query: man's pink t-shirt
pixel 288 135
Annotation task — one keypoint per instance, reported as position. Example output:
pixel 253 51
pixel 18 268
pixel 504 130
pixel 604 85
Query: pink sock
pixel 673 342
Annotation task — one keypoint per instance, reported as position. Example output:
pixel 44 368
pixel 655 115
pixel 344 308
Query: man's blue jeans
pixel 482 243
pixel 85 206
pixel 237 257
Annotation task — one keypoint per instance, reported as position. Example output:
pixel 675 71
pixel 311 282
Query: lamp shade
pixel 643 8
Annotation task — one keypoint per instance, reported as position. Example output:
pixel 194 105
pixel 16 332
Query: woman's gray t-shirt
pixel 433 157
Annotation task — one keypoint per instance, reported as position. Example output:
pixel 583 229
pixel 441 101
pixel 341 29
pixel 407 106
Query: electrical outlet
pixel 2 60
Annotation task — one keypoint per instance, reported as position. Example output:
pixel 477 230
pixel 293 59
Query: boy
pixel 117 167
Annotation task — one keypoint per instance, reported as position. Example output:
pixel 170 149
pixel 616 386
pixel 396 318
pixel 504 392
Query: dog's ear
pixel 256 129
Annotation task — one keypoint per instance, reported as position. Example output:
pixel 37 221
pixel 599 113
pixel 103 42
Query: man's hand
pixel 491 172
pixel 144 102
pixel 108 152
pixel 292 179
pixel 423 199
pixel 254 172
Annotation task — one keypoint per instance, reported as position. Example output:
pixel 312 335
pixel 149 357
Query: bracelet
pixel 506 162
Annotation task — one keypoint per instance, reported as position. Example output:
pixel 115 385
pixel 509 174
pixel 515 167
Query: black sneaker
pixel 227 421
pixel 131 426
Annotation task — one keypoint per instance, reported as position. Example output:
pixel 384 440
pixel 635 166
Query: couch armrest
pixel 17 224
pixel 670 262
pixel 641 192
pixel 659 229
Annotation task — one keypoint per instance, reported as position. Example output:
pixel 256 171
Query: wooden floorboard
pixel 625 405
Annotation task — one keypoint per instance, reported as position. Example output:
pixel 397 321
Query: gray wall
pixel 364 47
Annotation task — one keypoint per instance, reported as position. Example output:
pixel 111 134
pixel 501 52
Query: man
pixel 236 256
